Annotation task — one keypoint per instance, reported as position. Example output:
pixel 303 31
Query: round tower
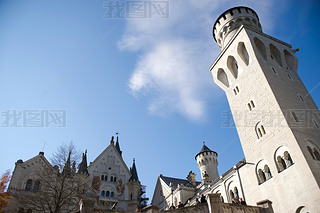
pixel 231 20
pixel 207 163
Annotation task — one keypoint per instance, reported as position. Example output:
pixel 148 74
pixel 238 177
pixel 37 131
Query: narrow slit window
pixel 301 98
pixel 316 124
pixel 249 106
pixel 295 116
pixel 252 104
pixel 289 76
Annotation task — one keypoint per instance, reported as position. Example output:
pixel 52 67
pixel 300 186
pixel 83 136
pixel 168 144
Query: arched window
pixel 281 163
pixel 28 185
pixel 102 193
pixel 111 194
pixel 115 179
pixel 131 196
pixel 275 54
pixel 311 152
pixel 243 53
pixel 111 178
pixel 260 131
pixel 236 193
pixel 102 177
pixel 263 171
pixel 290 60
pixel 262 176
pixel 36 186
pixel 316 154
pixel 267 172
pixel 287 158
pixel 261 48
pixel 107 194
pixel 231 194
pixel 106 178
pixel 222 77
pixel 233 66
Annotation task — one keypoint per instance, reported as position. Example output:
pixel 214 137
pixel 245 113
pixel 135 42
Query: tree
pixel 4 196
pixel 60 157
pixel 56 189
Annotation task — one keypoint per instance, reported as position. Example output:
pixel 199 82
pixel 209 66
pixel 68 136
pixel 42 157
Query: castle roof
pixel 205 149
pixel 83 166
pixel 134 173
pixel 176 181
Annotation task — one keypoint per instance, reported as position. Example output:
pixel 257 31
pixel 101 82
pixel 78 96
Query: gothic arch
pixel 275 54
pixel 222 77
pixel 261 48
pixel 243 53
pixel 313 150
pixel 290 60
pixel 233 66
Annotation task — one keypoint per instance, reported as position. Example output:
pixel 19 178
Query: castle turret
pixel 207 163
pixel 134 186
pixel 231 20
pixel 275 115
pixel 83 167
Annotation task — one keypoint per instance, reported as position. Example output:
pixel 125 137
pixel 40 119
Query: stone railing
pixel 214 205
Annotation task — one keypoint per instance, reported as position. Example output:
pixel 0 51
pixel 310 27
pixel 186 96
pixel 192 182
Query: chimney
pixel 192 178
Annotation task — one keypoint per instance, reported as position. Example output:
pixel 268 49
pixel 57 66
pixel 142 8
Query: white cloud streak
pixel 174 56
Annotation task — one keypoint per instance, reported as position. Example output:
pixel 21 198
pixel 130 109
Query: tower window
pixel 289 76
pixel 102 193
pixel 106 178
pixel 107 194
pixel 260 130
pixel 301 98
pixel 36 186
pixel 102 177
pixel 236 90
pixel 111 194
pixel 111 178
pixel 313 150
pixel 28 185
pixel 315 124
pixel 251 105
pixel 295 116
pixel 274 71
pixel 283 159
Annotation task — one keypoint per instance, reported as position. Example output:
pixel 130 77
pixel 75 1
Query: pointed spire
pixel 134 173
pixel 67 167
pixel 205 149
pixel 83 166
pixel 118 145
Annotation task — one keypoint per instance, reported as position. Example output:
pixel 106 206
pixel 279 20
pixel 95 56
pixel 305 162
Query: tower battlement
pixel 231 20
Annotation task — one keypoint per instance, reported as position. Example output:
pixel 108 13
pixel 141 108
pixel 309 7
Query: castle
pixel 275 118
pixel 276 121
pixel 105 184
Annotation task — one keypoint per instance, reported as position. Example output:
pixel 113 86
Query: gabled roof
pixel 176 181
pixel 111 146
pixel 40 155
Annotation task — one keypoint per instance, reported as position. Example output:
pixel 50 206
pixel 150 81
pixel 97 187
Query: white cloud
pixel 175 54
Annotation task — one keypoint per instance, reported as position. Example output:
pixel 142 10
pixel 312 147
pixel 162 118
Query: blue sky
pixel 147 78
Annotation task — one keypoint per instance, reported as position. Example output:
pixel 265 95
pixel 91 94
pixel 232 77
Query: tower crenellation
pixel 230 21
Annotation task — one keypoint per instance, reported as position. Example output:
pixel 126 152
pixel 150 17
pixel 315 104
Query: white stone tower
pixel 207 163
pixel 273 112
